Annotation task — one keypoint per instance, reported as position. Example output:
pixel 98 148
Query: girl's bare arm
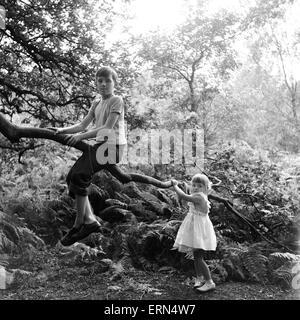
pixel 187 197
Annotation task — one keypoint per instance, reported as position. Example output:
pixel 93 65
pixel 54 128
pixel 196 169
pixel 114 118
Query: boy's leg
pixel 85 222
pixel 82 210
pixel 69 238
pixel 89 223
pixel 89 216
pixel 128 177
pixel 78 180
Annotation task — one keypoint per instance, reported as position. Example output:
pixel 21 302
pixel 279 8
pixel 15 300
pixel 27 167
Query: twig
pixel 244 219
pixel 31 146
pixel 141 297
pixel 246 194
pixel 237 193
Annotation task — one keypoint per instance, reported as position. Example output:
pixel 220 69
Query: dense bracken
pixel 139 222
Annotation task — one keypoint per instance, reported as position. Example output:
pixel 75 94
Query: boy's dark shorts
pixel 80 176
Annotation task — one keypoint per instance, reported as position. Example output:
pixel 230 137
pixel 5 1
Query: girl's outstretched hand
pixel 174 182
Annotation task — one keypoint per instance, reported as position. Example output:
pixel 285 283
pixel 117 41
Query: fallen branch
pixel 229 206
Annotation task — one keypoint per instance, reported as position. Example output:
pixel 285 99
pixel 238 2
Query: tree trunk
pixel 193 99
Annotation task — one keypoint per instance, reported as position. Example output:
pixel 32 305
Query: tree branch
pixel 39 96
pixel 175 69
pixel 245 220
pixel 31 146
pixel 14 133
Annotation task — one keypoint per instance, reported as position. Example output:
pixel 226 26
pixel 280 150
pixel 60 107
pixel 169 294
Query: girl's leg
pixel 209 284
pixel 196 264
pixel 202 267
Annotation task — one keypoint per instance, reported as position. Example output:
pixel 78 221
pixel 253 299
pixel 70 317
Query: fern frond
pixel 147 265
pixel 283 275
pixel 126 262
pixel 4 260
pixel 277 259
pixel 256 264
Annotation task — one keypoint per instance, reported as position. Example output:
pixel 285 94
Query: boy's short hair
pixel 106 71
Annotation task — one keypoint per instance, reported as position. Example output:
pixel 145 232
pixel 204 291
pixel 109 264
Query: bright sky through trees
pixel 166 14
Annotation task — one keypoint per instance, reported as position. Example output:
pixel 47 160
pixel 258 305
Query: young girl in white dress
pixel 196 233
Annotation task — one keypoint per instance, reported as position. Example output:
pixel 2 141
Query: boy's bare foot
pixel 168 184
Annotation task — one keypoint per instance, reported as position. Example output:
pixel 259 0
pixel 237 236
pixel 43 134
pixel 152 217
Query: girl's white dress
pixel 196 230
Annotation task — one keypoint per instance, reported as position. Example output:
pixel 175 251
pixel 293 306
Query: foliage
pixel 197 80
pixel 48 61
pixel 265 87
pixel 273 207
pixel 231 75
pixel 187 69
pixel 15 237
pixel 147 244
pixel 34 192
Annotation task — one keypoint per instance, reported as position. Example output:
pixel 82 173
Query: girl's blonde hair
pixel 202 178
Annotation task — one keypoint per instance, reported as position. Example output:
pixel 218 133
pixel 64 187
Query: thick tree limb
pixel 14 133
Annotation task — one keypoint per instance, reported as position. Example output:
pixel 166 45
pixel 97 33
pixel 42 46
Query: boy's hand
pixel 71 139
pixel 56 130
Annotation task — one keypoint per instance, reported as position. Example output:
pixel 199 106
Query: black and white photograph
pixel 183 117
